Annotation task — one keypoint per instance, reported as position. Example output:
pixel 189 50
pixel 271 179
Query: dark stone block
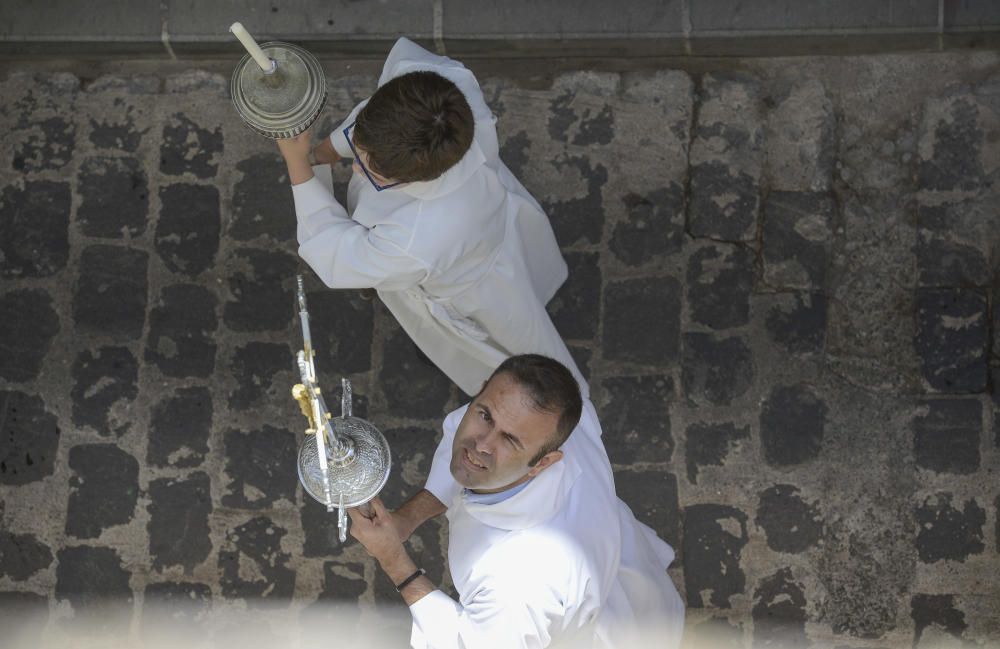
pixel 715 371
pixel 790 523
pixel 34 229
pixel 561 117
pixel 954 161
pixel 712 554
pixel 26 332
pixel 654 227
pixel 337 587
pixel 342 325
pixel 115 136
pixel 579 219
pixel 115 198
pixel 413 388
pixel 103 490
pixel 320 528
pixel 188 148
pixel 178 521
pixel 180 427
pixel 49 146
pixel 652 496
pixel 258 541
pixel 182 332
pixel 412 448
pixel 799 326
pixel 724 203
pixel 29 438
pixel 260 465
pixel 91 578
pixel 254 366
pixel 779 612
pixel 947 533
pixel 709 444
pixel 582 357
pixel 22 555
pixel 187 234
pixel 792 423
pixel 514 152
pixel 262 200
pixel 596 129
pixel 952 339
pixel 575 307
pixel 110 296
pixel 102 383
pixel 720 279
pixel 337 604
pixel 261 290
pixel 796 239
pixel 642 321
pixel 941 262
pixel 946 439
pixel 636 419
pixel 936 610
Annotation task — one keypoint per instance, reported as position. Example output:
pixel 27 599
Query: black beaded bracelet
pixel 406 582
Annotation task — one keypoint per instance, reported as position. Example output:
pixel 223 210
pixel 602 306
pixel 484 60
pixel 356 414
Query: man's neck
pixel 517 482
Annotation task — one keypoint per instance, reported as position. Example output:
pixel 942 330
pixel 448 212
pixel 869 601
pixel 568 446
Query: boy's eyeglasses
pixel 357 158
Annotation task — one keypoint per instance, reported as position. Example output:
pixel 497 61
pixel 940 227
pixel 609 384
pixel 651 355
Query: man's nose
pixel 484 444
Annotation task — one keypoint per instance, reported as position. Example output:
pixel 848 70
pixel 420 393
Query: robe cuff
pixel 435 620
pixel 339 142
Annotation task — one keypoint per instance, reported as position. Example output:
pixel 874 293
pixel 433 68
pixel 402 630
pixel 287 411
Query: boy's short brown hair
pixel 415 127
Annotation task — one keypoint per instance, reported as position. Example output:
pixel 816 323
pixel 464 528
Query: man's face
pixel 500 433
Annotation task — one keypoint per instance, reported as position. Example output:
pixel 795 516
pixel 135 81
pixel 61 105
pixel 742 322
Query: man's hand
pixel 324 153
pixel 377 532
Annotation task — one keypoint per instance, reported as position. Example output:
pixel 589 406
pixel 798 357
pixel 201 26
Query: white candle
pixel 248 42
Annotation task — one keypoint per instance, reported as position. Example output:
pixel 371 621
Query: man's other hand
pixel 324 153
pixel 376 531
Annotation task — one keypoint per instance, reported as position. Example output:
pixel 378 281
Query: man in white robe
pixel 465 261
pixel 541 550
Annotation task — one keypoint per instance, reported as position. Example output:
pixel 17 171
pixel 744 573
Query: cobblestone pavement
pixel 783 285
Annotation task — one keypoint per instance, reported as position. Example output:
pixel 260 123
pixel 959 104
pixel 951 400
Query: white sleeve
pixel 497 615
pixel 440 481
pixel 346 254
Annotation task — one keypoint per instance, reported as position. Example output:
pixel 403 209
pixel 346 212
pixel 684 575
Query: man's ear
pixel 547 460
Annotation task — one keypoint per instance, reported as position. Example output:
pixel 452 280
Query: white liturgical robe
pixel 562 562
pixel 465 262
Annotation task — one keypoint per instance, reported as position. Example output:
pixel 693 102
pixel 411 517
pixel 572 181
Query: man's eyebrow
pixel 513 436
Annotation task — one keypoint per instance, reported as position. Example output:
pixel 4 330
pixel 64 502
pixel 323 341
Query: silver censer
pixel 284 101
pixel 343 461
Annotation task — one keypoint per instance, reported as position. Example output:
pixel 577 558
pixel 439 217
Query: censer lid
pixel 361 477
pixel 285 101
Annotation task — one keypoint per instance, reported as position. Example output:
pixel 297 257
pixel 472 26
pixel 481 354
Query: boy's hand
pixel 295 148
pixel 324 153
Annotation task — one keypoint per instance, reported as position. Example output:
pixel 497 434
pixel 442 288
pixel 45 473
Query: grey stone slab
pixel 115 198
pixel 642 321
pixel 187 233
pixel 467 19
pixel 29 438
pixel 779 612
pixel 796 322
pixel 714 538
pixel 257 466
pixel 946 438
pixel 23 615
pixel 636 418
pixel 105 384
pixel 178 526
pixel 792 425
pixel 342 330
pixel 715 371
pixel 708 444
pixel 786 15
pixel 302 19
pixel 110 297
pixel 790 523
pixel 255 366
pixel 952 339
pixel 262 200
pixel 579 219
pixel 34 229
pixel 797 235
pixel 719 282
pixel 652 497
pixel 980 14
pixel 22 555
pixel 25 333
pixel 801 137
pixel 49 145
pixel 575 307
pixel 716 632
pixel 653 226
pixel 256 543
pixel 951 142
pixel 938 612
pixel 104 489
pixel 182 325
pixel 413 386
pixel 64 18
pixel 180 425
pixel 90 578
pixel 948 531
pixel 175 610
pixel 190 148
pixel 260 289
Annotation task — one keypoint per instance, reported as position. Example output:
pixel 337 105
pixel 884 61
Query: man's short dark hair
pixel 415 127
pixel 552 389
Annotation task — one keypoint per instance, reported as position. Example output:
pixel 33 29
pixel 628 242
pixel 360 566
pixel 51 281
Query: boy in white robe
pixel 541 550
pixel 456 247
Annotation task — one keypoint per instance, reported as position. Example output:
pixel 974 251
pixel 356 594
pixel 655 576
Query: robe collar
pixel 535 504
pixel 450 180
